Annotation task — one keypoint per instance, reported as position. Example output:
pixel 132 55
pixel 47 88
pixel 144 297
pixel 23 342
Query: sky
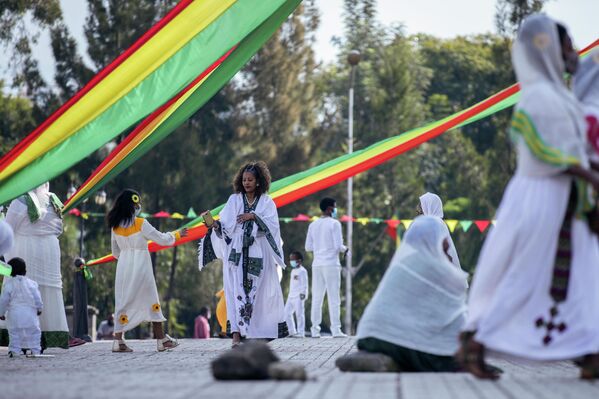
pixel 441 18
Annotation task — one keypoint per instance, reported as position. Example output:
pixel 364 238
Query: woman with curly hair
pixel 248 240
pixel 136 295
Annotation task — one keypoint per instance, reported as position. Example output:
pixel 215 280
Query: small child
pixel 298 292
pixel 21 301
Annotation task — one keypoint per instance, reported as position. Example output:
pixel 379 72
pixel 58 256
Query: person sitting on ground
pixel 21 303
pixel 201 328
pixel 418 309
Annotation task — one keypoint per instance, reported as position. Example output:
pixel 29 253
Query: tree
pixel 510 14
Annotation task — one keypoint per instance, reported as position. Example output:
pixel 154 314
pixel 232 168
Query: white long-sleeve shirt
pixel 299 282
pixel 20 301
pixel 324 239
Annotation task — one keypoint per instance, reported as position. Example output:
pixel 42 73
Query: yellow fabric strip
pixel 127 231
pixel 172 37
pixel 144 134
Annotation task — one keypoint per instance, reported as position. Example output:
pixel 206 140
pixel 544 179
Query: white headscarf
pixel 545 98
pixel 586 83
pixel 421 300
pixel 6 237
pixel 431 205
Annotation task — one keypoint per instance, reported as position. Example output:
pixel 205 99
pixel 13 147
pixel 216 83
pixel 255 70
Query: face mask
pixel 293 263
pixel 137 210
pixel 334 214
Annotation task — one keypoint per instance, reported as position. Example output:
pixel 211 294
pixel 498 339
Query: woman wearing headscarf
pixel 419 307
pixel 36 221
pixel 431 205
pixel 534 293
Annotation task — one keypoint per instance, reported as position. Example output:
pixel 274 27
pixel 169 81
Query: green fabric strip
pixel 243 17
pixel 240 56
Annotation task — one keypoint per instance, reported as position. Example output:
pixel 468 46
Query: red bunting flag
pixel 482 224
pixel 162 214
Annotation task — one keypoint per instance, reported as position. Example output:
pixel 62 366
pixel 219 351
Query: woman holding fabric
pixel 36 220
pixel 534 293
pixel 248 240
pixel 427 296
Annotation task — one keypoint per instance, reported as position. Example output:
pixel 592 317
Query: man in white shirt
pixel 298 292
pixel 326 242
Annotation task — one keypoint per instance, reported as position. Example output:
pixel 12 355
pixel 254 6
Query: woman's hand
pixel 244 217
pixel 183 232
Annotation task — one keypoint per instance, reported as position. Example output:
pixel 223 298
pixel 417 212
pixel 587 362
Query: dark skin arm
pixel 584 174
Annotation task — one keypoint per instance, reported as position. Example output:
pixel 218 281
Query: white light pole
pixel 353 58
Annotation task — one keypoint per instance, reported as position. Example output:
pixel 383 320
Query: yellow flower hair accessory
pixel 156 307
pixel 123 319
pixel 135 198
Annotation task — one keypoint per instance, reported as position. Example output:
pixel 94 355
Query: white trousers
pixel 29 338
pixel 295 305
pixel 326 279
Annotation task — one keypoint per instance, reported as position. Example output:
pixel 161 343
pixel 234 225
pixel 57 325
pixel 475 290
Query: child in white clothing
pixel 21 302
pixel 298 292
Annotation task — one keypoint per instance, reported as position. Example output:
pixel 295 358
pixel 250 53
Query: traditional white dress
pixel 251 252
pixel 432 205
pixel 36 242
pixel 20 301
pixel 298 285
pixel 534 293
pixel 421 301
pixel 135 292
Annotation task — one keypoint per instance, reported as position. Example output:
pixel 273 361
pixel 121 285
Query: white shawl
pixel 432 205
pixel 230 238
pixel 546 102
pixel 421 300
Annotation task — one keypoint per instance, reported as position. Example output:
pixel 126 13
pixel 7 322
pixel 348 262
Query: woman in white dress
pixel 431 205
pixel 248 240
pixel 534 293
pixel 136 295
pixel 36 221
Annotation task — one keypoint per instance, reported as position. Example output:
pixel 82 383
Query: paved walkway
pixel 92 371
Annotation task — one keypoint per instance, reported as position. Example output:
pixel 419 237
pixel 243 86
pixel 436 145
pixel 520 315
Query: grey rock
pixel 287 371
pixel 249 361
pixel 362 361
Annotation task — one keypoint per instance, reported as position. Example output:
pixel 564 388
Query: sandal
pixel 166 343
pixel 471 358
pixel 589 367
pixel 119 345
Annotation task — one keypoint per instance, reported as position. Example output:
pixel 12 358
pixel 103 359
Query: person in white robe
pixel 298 293
pixel 586 89
pixel 419 307
pixel 431 205
pixel 36 220
pixel 325 241
pixel 534 293
pixel 20 305
pixel 136 295
pixel 247 239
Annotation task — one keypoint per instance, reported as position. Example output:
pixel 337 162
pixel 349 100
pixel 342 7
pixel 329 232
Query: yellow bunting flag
pixel 177 215
pixel 452 224
pixel 406 223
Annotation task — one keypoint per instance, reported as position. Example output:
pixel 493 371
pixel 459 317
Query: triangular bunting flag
pixel 363 221
pixel 162 214
pixel 452 224
pixel 144 215
pixel 191 214
pixel 345 219
pixel 177 215
pixel 482 225
pixel 465 224
pixel 392 228
pixel 301 218
pixel 407 223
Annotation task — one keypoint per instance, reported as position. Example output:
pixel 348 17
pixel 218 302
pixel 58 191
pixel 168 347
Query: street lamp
pixel 353 58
